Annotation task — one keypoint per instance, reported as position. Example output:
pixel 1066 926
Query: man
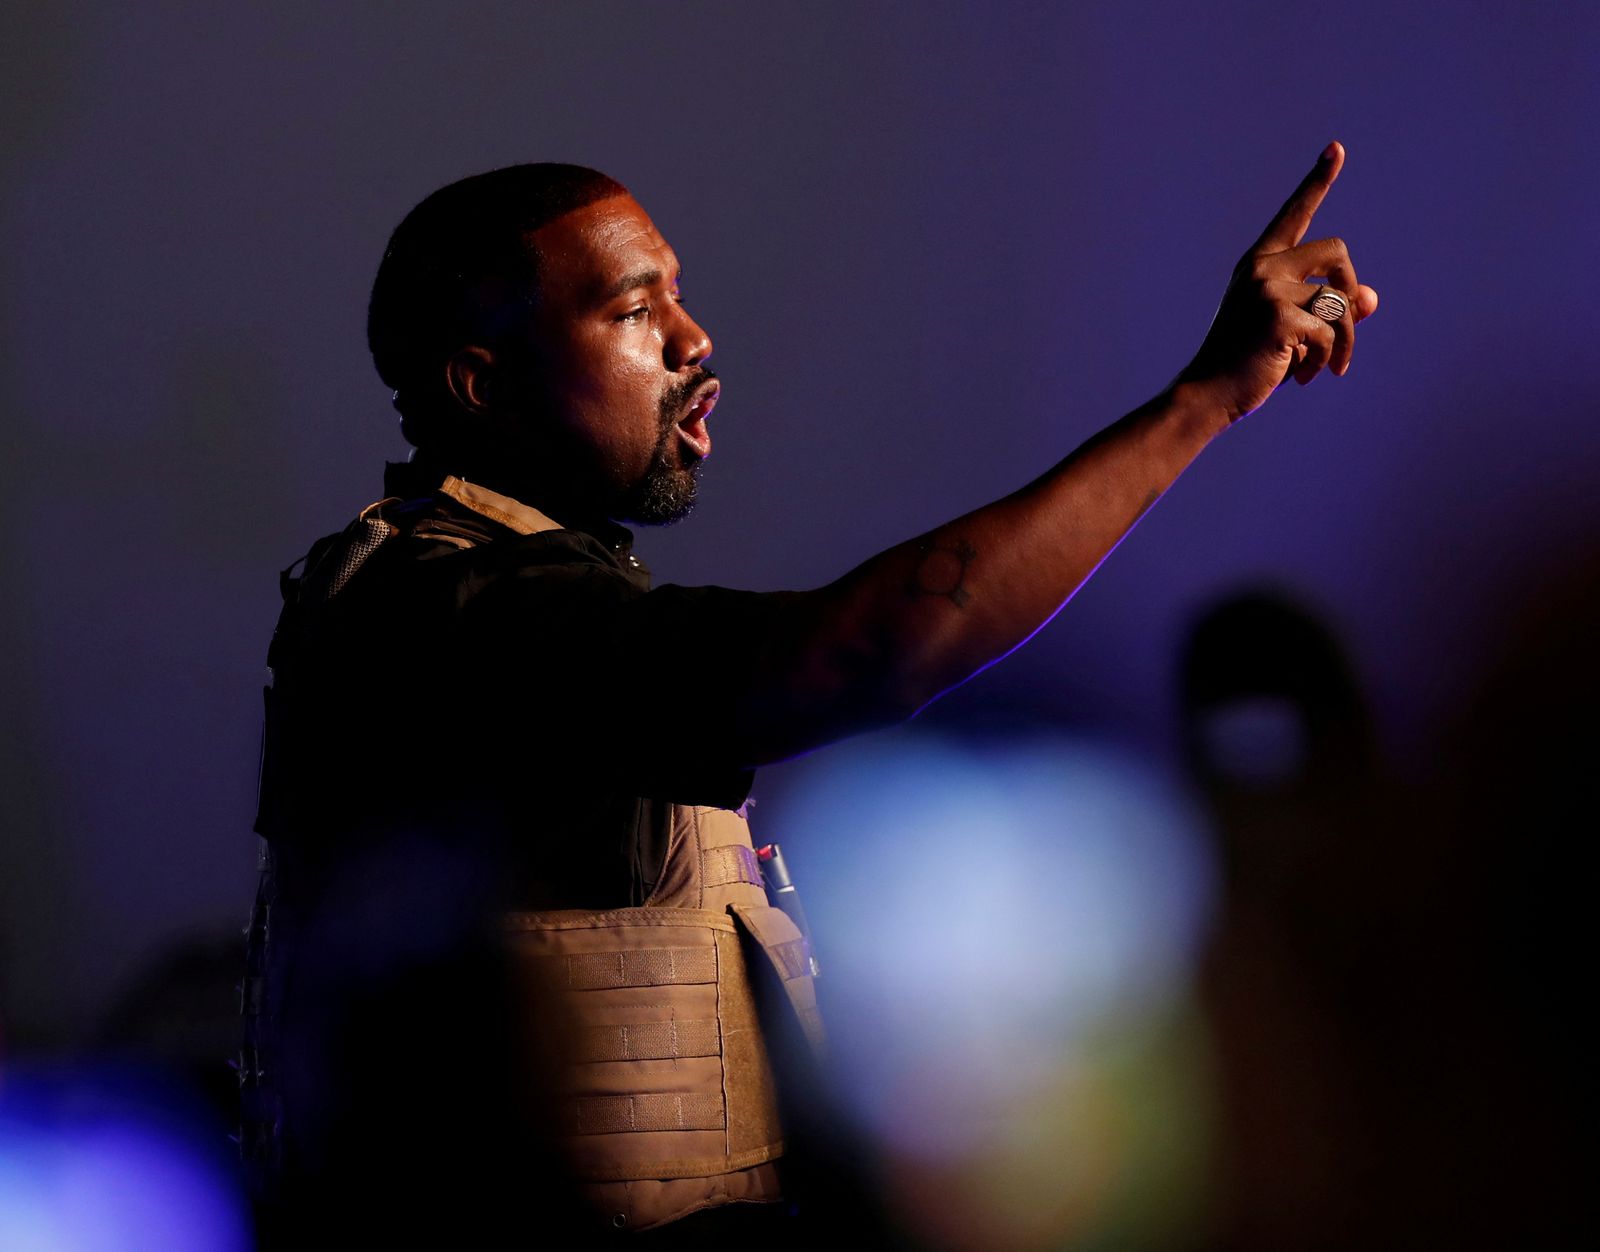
pixel 481 711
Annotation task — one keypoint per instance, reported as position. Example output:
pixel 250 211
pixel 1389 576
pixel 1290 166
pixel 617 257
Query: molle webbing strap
pixel 648 1041
pixel 666 1086
pixel 786 950
pixel 794 957
pixel 729 864
pixel 649 967
pixel 811 1023
pixel 610 1115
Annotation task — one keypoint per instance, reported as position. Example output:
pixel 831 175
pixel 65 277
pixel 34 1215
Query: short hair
pixel 458 270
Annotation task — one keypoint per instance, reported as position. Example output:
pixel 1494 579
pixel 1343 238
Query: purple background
pixel 937 245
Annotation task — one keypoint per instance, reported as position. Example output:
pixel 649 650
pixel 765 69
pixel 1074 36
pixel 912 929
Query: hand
pixel 1262 332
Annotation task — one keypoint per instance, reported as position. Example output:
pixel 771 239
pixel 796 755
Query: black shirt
pixel 487 676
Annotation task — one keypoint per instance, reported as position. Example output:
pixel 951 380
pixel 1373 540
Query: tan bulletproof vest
pixel 648 1014
pixel 667 1098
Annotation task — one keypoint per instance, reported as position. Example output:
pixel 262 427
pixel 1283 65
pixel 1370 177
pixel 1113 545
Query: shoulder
pixel 477 531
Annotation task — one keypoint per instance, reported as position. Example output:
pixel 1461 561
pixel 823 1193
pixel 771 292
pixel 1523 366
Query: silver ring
pixel 1329 305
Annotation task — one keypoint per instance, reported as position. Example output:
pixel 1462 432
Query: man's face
pixel 615 382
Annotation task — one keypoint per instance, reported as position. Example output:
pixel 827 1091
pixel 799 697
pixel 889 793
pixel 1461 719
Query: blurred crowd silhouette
pixel 1392 985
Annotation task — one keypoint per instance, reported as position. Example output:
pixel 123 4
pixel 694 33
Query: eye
pixel 634 314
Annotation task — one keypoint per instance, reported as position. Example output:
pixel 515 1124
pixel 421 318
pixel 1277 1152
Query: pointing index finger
pixel 1289 226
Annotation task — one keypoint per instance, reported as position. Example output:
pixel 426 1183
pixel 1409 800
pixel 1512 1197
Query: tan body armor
pixel 668 1101
pixel 666 1096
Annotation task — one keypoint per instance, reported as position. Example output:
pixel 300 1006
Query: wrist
pixel 1197 408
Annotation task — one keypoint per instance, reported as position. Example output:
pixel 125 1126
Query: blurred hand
pixel 1262 332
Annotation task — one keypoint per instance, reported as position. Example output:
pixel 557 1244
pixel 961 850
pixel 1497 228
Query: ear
pixel 469 374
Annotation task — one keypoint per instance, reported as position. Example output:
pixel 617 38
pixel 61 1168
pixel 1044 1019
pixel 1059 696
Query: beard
pixel 665 492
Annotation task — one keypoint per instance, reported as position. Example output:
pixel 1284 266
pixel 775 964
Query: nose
pixel 687 343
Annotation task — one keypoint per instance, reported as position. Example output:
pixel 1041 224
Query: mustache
pixel 677 395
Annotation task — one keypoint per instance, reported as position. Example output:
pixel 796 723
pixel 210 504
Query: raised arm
pixel 926 615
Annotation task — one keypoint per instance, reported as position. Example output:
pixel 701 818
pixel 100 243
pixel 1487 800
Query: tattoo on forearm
pixel 942 571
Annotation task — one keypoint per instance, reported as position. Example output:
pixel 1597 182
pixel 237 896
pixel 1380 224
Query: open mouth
pixel 692 425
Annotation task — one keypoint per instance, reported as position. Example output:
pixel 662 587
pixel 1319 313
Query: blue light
pixel 77 1176
pixel 992 907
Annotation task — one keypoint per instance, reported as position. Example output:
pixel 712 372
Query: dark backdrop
pixel 936 244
